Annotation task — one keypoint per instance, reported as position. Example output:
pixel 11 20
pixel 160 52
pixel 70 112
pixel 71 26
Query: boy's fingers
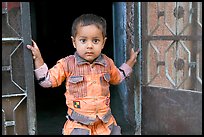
pixel 29 46
pixel 34 44
pixel 132 51
pixel 138 51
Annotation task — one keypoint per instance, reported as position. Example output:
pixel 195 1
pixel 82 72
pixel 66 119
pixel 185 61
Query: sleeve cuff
pixel 127 69
pixel 41 71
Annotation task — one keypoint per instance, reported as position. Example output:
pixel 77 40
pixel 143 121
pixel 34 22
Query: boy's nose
pixel 89 45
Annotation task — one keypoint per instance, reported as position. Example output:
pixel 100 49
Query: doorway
pixel 51 29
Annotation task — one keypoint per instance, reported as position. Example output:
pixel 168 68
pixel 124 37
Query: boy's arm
pixel 126 68
pixel 41 69
pixel 47 78
pixel 43 76
pixel 52 77
pixel 125 71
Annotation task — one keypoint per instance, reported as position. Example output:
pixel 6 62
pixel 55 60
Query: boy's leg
pixel 75 128
pixel 98 128
pixel 109 128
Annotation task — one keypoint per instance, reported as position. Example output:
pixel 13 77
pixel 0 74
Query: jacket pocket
pixel 77 86
pixel 76 79
pixel 105 79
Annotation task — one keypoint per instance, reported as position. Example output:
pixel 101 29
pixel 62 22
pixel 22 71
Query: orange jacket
pixel 87 86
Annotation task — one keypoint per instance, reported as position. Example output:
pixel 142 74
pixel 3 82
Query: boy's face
pixel 88 42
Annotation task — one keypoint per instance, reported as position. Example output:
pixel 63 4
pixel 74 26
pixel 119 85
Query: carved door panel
pixel 172 68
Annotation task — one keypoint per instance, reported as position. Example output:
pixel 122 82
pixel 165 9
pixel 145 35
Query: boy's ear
pixel 104 41
pixel 73 41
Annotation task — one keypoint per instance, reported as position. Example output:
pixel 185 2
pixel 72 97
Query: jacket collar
pixel 99 60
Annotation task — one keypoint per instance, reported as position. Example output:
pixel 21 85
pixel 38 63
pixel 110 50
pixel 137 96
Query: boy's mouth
pixel 89 53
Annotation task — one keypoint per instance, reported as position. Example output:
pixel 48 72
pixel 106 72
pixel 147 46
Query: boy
pixel 88 74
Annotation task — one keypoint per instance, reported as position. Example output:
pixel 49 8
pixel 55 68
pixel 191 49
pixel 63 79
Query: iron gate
pixel 18 98
pixel 172 68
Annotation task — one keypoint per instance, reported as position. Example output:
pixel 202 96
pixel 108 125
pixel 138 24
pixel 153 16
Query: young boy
pixel 88 74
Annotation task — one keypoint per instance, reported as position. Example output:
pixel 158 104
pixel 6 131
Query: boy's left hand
pixel 133 57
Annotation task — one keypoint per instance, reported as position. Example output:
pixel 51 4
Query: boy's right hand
pixel 34 49
pixel 36 54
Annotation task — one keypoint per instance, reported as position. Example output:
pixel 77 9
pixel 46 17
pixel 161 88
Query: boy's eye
pixel 95 41
pixel 82 40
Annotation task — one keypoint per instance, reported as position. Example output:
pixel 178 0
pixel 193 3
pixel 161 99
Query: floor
pixel 50 122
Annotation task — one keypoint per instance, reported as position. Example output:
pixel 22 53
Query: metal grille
pixel 172 35
pixel 15 103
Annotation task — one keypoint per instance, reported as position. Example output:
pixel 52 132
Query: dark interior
pixel 51 29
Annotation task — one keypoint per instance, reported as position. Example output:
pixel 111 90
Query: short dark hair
pixel 89 19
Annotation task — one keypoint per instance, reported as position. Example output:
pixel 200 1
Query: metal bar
pixel 145 42
pixel 138 68
pixel 3 121
pixel 29 75
pixel 176 38
pixel 6 68
pixel 9 123
pixel 194 49
pixel 4 10
pixel 14 95
pixel 11 39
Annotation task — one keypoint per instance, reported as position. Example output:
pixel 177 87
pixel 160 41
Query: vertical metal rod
pixel 29 76
pixel 137 71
